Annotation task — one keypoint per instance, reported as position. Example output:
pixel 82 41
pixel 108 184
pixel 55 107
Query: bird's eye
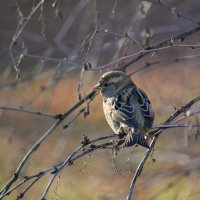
pixel 106 84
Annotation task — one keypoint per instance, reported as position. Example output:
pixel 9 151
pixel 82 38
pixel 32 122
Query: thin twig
pixel 26 110
pixel 26 157
pixel 72 157
pixel 103 67
pixel 180 36
pixel 64 61
pixel 52 170
pixel 22 24
pixel 58 171
pixel 175 126
pixel 179 59
pixel 28 178
pixel 174 11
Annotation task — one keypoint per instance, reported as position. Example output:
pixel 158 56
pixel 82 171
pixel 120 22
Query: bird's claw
pixel 116 143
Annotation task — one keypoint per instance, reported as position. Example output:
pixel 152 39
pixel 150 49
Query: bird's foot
pixel 115 150
pixel 116 143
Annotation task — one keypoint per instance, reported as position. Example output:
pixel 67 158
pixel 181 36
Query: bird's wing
pixel 146 107
pixel 124 108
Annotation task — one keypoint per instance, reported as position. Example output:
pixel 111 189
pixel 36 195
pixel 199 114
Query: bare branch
pixel 72 158
pixel 180 36
pixel 104 67
pixel 60 117
pixel 56 169
pixel 174 11
pixel 22 24
pixel 179 59
pixel 21 109
pixel 64 61
pixel 175 126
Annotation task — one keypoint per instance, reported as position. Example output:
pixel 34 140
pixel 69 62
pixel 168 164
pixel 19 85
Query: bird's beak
pixel 97 88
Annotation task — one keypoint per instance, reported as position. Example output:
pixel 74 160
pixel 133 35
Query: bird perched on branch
pixel 127 108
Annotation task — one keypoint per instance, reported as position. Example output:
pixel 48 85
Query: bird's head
pixel 112 82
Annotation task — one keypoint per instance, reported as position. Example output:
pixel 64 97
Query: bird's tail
pixel 136 138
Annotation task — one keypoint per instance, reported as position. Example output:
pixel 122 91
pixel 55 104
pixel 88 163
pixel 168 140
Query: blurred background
pixel 53 52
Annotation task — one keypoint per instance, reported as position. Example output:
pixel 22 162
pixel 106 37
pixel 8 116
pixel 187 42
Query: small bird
pixel 127 108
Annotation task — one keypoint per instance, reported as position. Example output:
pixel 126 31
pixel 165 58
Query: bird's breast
pixel 108 107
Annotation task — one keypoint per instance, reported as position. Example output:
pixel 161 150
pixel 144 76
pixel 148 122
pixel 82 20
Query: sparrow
pixel 127 108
